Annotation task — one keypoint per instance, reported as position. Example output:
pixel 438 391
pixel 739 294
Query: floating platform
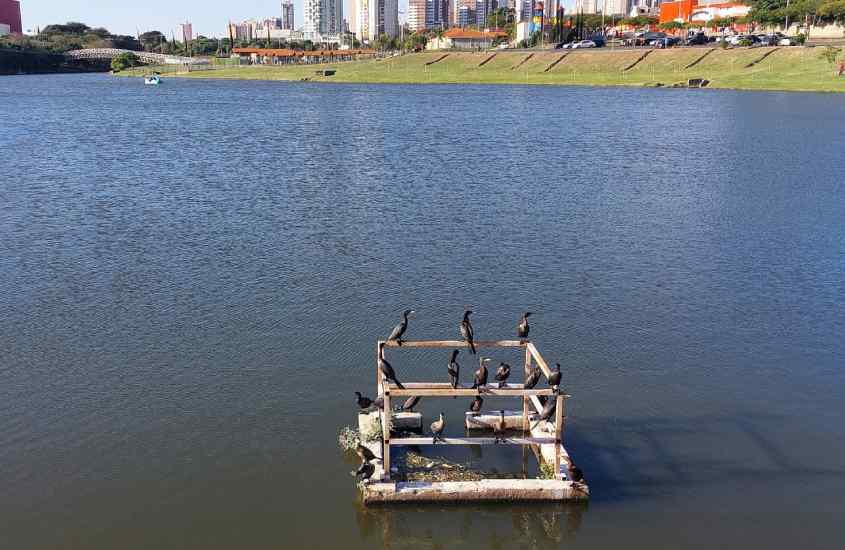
pixel 486 490
pixel 545 438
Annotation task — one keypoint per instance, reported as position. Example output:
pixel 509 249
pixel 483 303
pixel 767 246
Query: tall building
pixel 483 9
pixel 585 6
pixel 617 7
pixel 466 16
pixel 438 14
pixel 186 32
pixel 456 11
pixel 323 17
pixel 417 18
pixel 383 16
pixel 524 9
pixel 353 17
pixel 287 15
pixel 10 16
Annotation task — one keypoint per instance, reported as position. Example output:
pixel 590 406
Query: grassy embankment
pixel 790 68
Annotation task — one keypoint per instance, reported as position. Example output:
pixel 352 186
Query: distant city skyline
pixel 208 17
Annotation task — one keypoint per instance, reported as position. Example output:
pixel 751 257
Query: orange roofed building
pixel 465 39
pixel 701 11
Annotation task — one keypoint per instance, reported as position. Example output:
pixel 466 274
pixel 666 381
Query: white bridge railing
pixel 144 57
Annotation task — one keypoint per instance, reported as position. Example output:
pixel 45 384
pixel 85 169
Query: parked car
pixel 583 44
pixel 697 39
pixel 768 39
pixel 786 42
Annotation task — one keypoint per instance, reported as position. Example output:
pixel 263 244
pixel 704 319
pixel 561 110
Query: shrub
pixel 124 61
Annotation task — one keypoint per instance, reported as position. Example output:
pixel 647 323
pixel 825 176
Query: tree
pixel 833 11
pixel 672 26
pixel 124 61
pixel 151 40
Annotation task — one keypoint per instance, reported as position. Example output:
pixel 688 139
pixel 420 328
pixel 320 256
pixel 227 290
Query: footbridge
pixel 145 57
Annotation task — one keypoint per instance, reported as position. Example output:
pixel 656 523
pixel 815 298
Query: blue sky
pixel 209 17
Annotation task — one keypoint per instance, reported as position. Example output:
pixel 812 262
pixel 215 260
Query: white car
pixel 786 42
pixel 584 44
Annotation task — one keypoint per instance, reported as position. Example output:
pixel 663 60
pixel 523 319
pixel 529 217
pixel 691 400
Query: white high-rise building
pixel 585 6
pixel 617 7
pixel 323 17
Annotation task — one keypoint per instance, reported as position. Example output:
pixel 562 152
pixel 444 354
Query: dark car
pixel 598 39
pixel 697 39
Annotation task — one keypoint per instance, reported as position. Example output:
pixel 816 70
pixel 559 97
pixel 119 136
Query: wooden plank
pixel 490 490
pixel 526 425
pixel 473 441
pixel 485 420
pixel 558 427
pixel 433 344
pixel 446 390
pixel 385 431
pixel 539 358
pixel 379 375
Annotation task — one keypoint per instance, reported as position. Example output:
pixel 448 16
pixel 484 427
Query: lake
pixel 193 278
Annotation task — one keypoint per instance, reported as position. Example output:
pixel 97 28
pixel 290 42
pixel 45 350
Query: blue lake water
pixel 193 278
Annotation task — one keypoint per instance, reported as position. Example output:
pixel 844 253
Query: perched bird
pixel 399 330
pixel 410 403
pixel 387 370
pixel 378 403
pixel 502 373
pixel 365 454
pixel 499 427
pixel 437 429
pixel 454 369
pixel 363 402
pixel 466 331
pixel 522 328
pixel 548 411
pixel 575 473
pixel 554 377
pixel 365 471
pixel 532 378
pixel 475 406
pixel 542 399
pixel 481 373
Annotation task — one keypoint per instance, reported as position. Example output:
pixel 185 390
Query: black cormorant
pixel 410 403
pixel 399 330
pixel 475 406
pixel 575 473
pixel 365 471
pixel 481 373
pixel 522 328
pixel 454 369
pixel 466 331
pixel 363 402
pixel 502 373
pixel 499 427
pixel 548 411
pixel 437 429
pixel 387 370
pixel 365 454
pixel 554 377
pixel 532 378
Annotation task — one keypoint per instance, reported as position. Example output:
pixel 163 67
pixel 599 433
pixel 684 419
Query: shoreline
pixel 784 69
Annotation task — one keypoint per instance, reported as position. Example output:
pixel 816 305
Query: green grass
pixel 793 69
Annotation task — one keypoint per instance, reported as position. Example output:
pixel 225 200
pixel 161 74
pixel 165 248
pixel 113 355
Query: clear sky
pixel 209 17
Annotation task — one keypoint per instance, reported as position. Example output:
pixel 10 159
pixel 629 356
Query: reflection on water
pixel 535 526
